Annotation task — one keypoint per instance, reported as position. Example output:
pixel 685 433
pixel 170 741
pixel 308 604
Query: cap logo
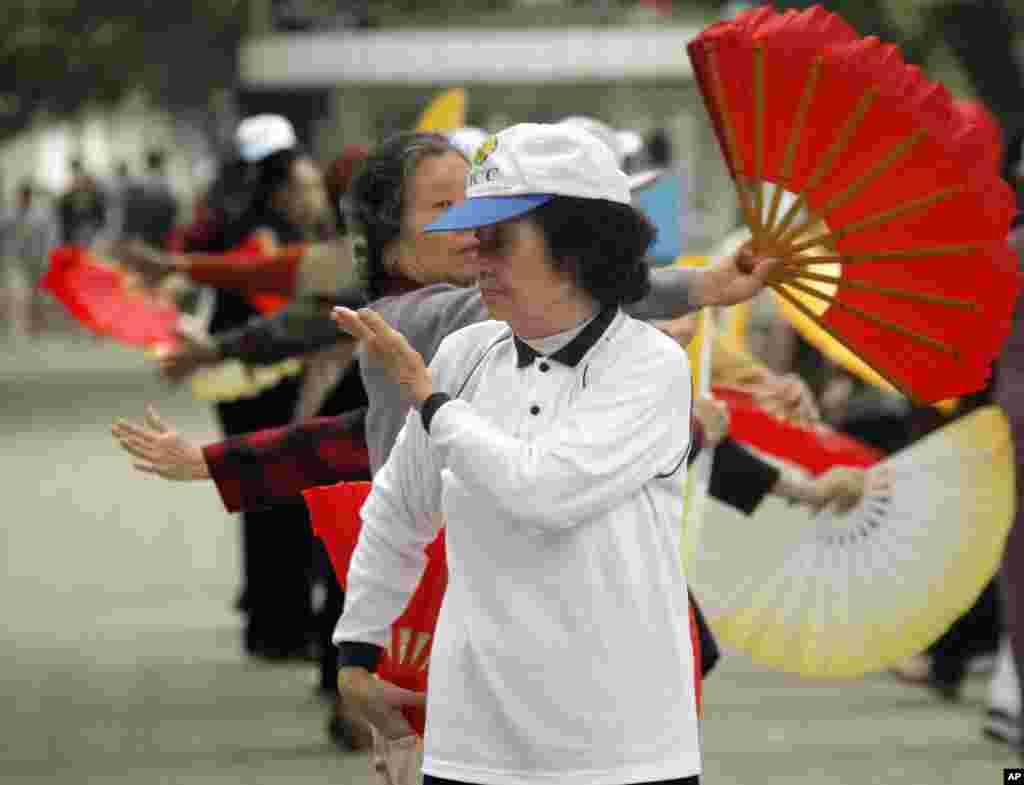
pixel 489 145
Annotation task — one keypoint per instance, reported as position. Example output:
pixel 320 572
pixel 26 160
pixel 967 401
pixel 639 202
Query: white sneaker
pixel 1002 726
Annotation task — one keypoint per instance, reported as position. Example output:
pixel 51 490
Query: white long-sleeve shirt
pixel 562 653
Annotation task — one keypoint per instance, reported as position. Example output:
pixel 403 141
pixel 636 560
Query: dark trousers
pixel 975 633
pixel 694 780
pixel 277 543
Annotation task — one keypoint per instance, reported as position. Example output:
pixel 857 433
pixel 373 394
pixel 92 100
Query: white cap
pixel 526 165
pixel 262 135
pixel 622 143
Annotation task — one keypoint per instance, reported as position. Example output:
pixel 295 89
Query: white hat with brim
pixel 524 166
pixel 260 136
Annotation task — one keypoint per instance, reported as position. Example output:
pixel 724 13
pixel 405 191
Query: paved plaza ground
pixel 120 657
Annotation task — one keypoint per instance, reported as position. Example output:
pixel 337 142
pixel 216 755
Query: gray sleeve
pixel 669 296
pixel 302 327
pixel 445 313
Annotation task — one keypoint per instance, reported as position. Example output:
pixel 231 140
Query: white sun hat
pixel 262 135
pixel 529 164
pixel 623 143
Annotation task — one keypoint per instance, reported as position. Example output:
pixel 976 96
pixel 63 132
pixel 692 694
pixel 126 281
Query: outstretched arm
pixel 258 469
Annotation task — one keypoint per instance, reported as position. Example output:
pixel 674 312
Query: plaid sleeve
pixel 266 467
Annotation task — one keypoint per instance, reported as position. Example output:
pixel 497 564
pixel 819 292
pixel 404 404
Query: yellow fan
pixel 232 380
pixel 698 478
pixel 445 113
pixel 840 596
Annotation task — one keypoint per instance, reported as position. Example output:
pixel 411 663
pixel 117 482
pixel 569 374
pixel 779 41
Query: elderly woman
pixel 553 440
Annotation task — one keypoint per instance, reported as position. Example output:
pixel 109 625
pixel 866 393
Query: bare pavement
pixel 120 656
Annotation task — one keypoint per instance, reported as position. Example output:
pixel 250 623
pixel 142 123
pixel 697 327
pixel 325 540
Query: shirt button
pixel 544 367
pixel 535 409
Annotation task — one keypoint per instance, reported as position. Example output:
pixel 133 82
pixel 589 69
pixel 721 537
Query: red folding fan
pixel 815 449
pixel 105 300
pixel 982 134
pixel 863 177
pixel 334 510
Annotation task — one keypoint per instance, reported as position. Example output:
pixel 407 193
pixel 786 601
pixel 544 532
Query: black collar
pixel 572 352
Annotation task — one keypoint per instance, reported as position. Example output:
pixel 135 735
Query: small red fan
pixel 334 510
pixel 863 176
pixel 267 303
pixel 103 299
pixel 814 449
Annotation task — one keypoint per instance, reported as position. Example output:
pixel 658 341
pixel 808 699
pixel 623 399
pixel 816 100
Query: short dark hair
pixel 377 194
pixel 601 244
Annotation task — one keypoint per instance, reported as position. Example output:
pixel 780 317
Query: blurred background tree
pixel 57 56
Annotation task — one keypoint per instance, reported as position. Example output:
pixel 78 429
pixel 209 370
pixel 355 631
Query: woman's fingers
pixel 397 696
pixel 375 322
pixel 126 427
pixel 147 468
pixel 139 450
pixel 351 322
pixel 153 419
pixel 133 437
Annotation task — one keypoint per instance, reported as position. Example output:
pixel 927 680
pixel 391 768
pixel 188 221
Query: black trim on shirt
pixel 356 654
pixel 677 467
pixel 430 407
pixel 577 348
pixel 478 363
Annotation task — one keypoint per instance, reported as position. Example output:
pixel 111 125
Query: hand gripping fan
pixel 894 238
pixel 832 596
pixel 813 448
pixel 334 510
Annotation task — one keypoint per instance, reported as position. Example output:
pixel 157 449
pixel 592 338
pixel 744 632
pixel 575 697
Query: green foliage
pixel 59 55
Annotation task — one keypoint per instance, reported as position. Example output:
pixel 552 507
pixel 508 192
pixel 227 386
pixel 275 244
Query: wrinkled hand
pixel 158 449
pixel 714 417
pixel 735 278
pixel 787 397
pixel 387 348
pixel 379 702
pixel 841 487
pixel 680 330
pixel 187 358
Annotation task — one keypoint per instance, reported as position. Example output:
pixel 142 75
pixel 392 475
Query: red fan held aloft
pixel 814 449
pixel 105 300
pixel 334 510
pixel 864 177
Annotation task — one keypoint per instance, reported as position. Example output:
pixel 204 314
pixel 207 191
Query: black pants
pixel 277 543
pixel 694 780
pixel 975 633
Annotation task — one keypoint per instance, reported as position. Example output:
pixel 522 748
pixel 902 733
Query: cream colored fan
pixel 840 596
pixel 232 380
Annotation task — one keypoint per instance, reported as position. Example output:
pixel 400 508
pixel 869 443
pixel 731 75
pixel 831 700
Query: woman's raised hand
pixel 159 449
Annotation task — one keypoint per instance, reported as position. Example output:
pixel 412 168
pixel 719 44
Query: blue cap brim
pixel 484 211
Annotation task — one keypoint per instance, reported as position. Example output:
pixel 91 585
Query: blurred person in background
pixel 272 195
pixel 83 208
pixel 28 231
pixel 1006 695
pixel 148 206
